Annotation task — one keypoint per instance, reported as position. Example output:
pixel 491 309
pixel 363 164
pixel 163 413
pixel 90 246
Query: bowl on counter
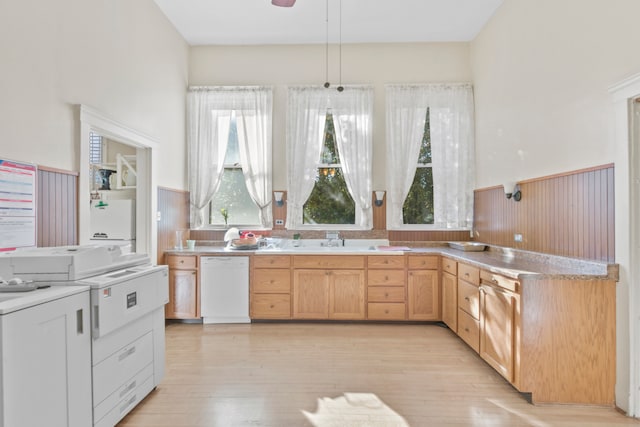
pixel 468 246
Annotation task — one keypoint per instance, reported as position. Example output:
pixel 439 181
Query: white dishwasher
pixel 224 283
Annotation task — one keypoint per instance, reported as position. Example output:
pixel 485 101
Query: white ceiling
pixel 233 22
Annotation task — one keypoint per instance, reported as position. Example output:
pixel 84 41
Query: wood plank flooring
pixel 267 374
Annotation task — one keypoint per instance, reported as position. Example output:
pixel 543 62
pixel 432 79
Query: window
pixel 330 201
pixel 430 156
pixel 418 206
pixel 232 199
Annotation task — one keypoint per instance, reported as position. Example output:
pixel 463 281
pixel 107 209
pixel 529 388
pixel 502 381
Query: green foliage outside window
pixel 418 206
pixel 330 201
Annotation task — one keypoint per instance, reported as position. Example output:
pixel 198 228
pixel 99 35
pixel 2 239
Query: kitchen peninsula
pixel 545 323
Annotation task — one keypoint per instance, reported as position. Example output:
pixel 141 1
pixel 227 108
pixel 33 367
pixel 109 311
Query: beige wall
pixel 376 64
pixel 541 70
pixel 541 73
pixel 121 57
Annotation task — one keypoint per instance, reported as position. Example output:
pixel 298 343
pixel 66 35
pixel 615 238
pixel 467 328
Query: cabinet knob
pixel 467 299
pixel 386 278
pixel 386 295
pixel 271 306
pixel 386 312
pixel 181 261
pixel 466 329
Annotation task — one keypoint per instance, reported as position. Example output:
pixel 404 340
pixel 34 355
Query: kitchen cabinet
pixel 423 287
pixel 386 288
pixel 499 302
pixel 271 287
pixel 450 293
pixel 469 305
pixel 184 292
pixel 329 287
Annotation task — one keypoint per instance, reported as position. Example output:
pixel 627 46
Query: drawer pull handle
pixel 467 299
pixel 128 403
pixel 128 388
pixel 271 306
pixel 126 354
pixel 386 278
pixel 181 261
pixel 386 312
pixel 386 295
pixel 466 329
pixel 466 274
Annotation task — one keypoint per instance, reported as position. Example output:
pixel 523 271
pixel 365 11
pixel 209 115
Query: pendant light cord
pixel 326 47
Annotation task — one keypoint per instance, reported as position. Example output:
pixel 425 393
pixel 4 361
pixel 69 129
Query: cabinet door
pixel 423 295
pixel 310 294
pixel 450 301
pixel 497 329
pixel 346 294
pixel 183 295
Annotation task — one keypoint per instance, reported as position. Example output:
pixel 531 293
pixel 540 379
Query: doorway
pixel 141 150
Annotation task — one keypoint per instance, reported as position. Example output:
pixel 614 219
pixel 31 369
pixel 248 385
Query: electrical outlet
pixel 279 222
pixel 517 237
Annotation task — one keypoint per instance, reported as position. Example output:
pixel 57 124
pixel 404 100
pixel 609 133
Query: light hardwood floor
pixel 268 374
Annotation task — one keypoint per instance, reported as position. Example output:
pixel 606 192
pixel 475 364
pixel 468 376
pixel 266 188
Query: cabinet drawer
pixel 386 311
pixel 469 299
pixel 498 280
pixel 469 330
pixel 328 261
pixel 123 394
pixel 386 294
pixel 268 261
pixel 385 278
pixel 271 281
pixel 469 273
pixel 113 372
pixel 270 306
pixel 427 262
pixel 450 266
pixel 385 261
pixel 182 261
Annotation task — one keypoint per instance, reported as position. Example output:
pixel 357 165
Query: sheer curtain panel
pixel 452 149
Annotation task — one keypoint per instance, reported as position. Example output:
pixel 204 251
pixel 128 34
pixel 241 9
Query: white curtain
pixel 254 138
pixel 452 149
pixel 209 111
pixel 307 109
pixel 352 112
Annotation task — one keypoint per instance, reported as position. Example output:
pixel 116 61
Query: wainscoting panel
pixel 568 214
pixel 173 206
pixel 57 207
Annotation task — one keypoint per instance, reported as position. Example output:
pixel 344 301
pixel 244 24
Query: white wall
pixel 541 70
pixel 541 73
pixel 374 64
pixel 121 57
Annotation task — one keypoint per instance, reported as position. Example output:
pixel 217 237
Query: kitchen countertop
pixel 512 263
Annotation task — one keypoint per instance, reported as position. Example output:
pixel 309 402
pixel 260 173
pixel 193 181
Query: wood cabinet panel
pixel 428 262
pixel 469 330
pixel 386 278
pixel 328 261
pixel 450 301
pixel 450 266
pixel 469 273
pixel 423 295
pixel 386 311
pixel 346 295
pixel 310 294
pixel 497 330
pixel 386 294
pixel 271 281
pixel 386 261
pixel 469 298
pixel 182 261
pixel 183 295
pixel 271 261
pixel 271 306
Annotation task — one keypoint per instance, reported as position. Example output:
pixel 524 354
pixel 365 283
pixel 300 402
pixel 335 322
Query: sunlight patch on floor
pixel 354 410
pixel 529 419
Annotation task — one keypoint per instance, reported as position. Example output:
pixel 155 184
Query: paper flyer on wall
pixel 17 205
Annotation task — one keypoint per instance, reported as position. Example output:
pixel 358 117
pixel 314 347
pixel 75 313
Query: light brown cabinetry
pixel 450 293
pixel 423 286
pixel 499 302
pixel 184 292
pixel 328 287
pixel 271 287
pixel 386 287
pixel 469 305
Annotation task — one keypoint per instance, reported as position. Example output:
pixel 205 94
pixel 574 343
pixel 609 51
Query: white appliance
pixel 127 296
pixel 45 357
pixel 114 222
pixel 224 284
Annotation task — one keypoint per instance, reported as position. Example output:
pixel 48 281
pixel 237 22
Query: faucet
pixel 333 239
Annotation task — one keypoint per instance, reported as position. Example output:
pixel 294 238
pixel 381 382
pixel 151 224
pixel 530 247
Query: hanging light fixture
pixel 283 3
